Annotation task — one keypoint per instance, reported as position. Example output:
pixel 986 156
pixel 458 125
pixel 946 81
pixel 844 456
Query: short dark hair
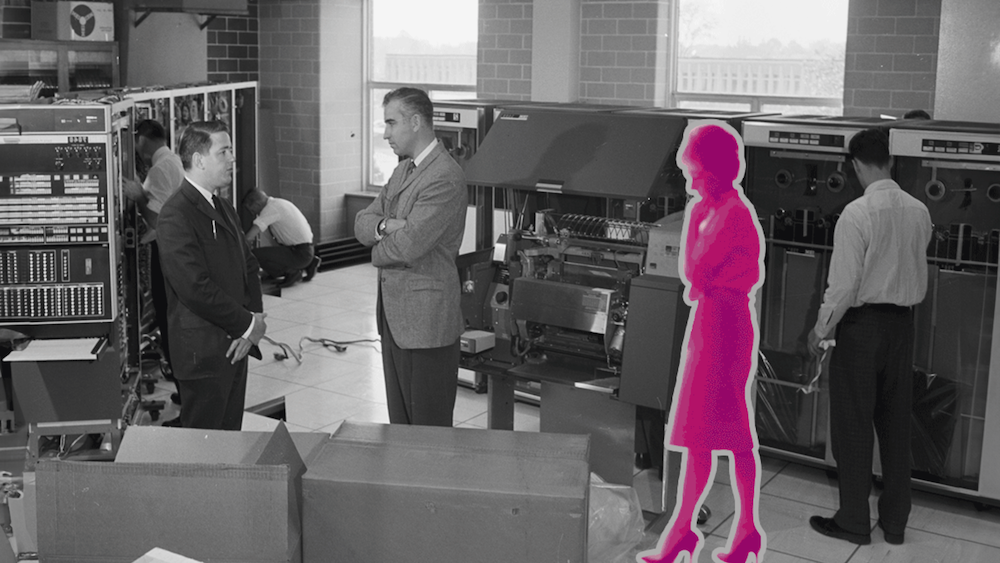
pixel 255 201
pixel 413 101
pixel 871 147
pixel 197 138
pixel 916 114
pixel 151 129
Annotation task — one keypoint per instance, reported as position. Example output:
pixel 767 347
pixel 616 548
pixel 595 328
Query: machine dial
pixel 783 178
pixel 935 190
pixel 836 182
pixel 993 193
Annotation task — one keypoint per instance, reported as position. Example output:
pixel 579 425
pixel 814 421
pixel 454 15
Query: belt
pixel 884 308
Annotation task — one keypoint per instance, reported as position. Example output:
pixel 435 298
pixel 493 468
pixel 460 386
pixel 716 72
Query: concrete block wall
pixel 503 64
pixel 233 47
pixel 618 52
pixel 289 90
pixel 891 58
pixel 342 117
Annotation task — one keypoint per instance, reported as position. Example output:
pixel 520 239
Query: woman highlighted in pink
pixel 722 267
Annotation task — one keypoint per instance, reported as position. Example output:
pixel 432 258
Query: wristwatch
pixel 380 230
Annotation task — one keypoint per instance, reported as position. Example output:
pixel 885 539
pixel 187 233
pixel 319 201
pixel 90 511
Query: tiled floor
pixel 329 387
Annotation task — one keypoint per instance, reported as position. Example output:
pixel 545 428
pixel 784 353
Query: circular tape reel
pixel 993 193
pixel 783 178
pixel 935 190
pixel 836 181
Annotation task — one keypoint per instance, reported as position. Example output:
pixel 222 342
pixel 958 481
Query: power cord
pixel 338 346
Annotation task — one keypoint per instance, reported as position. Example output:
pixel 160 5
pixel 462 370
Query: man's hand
pixel 240 347
pixel 259 328
pixel 393 225
pixel 814 340
pixel 133 190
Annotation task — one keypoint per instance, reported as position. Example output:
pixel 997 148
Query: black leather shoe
pixel 828 527
pixel 173 422
pixel 894 539
pixel 291 279
pixel 311 268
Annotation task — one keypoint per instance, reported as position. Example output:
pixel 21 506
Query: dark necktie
pixel 410 167
pixel 218 208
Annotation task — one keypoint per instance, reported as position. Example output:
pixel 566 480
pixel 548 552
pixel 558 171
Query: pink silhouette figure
pixel 722 267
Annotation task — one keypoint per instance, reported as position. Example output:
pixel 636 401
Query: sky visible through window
pixel 439 22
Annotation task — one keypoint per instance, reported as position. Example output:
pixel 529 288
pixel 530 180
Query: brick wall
pixel 289 90
pixel 233 47
pixel 891 58
pixel 15 19
pixel 504 58
pixel 618 52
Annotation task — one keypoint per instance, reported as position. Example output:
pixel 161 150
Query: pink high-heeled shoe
pixel 742 549
pixel 688 544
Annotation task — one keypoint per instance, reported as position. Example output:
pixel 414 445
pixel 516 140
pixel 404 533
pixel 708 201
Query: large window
pixel 429 45
pixel 761 55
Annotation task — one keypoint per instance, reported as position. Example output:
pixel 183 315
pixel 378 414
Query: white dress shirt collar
pixel 423 154
pixel 884 184
pixel 205 193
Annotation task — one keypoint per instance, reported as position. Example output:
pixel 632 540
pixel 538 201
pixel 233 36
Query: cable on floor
pixel 287 350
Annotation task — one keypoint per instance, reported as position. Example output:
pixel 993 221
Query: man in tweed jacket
pixel 415 228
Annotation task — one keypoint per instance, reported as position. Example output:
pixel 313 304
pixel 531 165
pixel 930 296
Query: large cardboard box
pixel 73 21
pixel 376 492
pixel 215 496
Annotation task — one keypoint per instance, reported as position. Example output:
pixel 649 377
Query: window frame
pixel 676 97
pixel 370 104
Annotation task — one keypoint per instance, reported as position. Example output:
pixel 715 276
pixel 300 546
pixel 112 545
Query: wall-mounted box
pixel 73 21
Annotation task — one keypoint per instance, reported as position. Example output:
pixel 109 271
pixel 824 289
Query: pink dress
pixel 721 267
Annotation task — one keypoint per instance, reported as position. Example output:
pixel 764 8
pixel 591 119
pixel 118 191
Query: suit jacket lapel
pixel 201 204
pixel 428 163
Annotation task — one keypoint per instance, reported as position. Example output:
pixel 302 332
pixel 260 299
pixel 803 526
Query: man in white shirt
pixel 292 257
pixel 164 175
pixel 878 271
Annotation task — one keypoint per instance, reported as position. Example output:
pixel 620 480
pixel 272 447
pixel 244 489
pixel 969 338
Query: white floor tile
pixel 261 389
pixel 372 412
pixel 954 518
pixel 361 382
pixel 315 408
pixel 307 291
pixel 803 484
pixel 786 523
pixel 924 547
pixel 350 299
pixel 301 312
pixel 312 372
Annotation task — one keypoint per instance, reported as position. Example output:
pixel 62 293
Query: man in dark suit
pixel 415 228
pixel 214 306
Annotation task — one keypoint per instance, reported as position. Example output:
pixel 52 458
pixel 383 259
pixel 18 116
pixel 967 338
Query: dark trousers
pixel 871 384
pixel 421 383
pixel 214 403
pixel 158 291
pixel 280 261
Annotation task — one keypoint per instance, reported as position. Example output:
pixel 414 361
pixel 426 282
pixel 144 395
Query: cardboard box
pixel 158 555
pixel 73 21
pixel 214 496
pixel 376 492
